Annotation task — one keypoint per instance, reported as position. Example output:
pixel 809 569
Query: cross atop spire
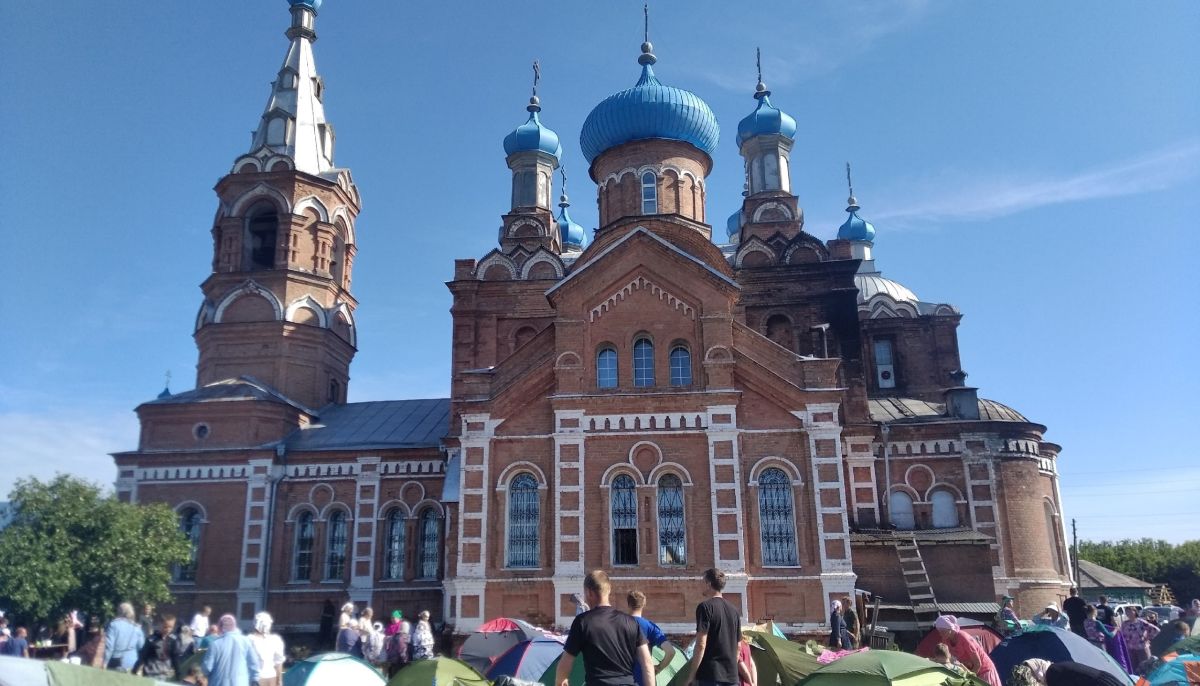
pixel 646 22
pixel 851 202
pixel 562 199
pixel 647 57
pixel 535 104
pixel 760 89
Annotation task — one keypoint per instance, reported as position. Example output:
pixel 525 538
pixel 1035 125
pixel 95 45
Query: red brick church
pixel 653 401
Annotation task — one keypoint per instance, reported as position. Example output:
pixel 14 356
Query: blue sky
pixel 1036 164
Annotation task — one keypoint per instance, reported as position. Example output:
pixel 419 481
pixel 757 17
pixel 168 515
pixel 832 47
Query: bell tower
pixel 277 306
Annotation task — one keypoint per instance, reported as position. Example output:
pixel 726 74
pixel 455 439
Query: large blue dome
pixel 766 119
pixel 532 136
pixel 649 110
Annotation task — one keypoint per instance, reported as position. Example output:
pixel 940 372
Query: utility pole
pixel 1075 553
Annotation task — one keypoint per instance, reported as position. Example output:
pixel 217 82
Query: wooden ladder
pixel 916 580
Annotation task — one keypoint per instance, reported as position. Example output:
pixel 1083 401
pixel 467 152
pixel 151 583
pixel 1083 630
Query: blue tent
pixel 1055 645
pixel 527 660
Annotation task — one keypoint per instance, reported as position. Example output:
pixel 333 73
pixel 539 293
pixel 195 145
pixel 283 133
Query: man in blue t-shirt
pixel 636 601
pixel 18 644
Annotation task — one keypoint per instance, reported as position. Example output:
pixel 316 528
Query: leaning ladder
pixel 916 580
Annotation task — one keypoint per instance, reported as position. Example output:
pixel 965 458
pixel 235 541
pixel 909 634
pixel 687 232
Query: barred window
pixel 429 557
pixel 643 362
pixel 900 508
pixel 394 544
pixel 649 193
pixel 624 521
pixel 606 368
pixel 681 366
pixel 672 534
pixel 302 558
pixel 777 518
pixel 523 511
pixel 189 524
pixel 335 545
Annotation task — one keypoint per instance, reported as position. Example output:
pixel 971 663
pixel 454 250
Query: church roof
pixel 230 390
pixel 911 409
pixel 376 425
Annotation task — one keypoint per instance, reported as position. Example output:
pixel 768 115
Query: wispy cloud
pixel 76 441
pixel 963 197
pixel 829 36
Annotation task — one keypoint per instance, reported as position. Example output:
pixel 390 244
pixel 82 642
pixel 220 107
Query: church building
pixel 667 394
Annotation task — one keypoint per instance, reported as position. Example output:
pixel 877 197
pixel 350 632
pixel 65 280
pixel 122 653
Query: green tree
pixel 1151 560
pixel 72 547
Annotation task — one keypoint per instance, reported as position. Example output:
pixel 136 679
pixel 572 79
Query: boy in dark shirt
pixel 611 641
pixel 718 628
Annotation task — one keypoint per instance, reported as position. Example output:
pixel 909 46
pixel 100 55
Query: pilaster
pixel 829 497
pixel 366 522
pixel 724 474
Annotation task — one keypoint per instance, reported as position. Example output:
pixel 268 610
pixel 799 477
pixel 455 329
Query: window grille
pixel 777 518
pixel 672 535
pixel 302 564
pixel 643 363
pixel 624 521
pixel 681 366
pixel 335 557
pixel 606 368
pixel 189 524
pixel 523 511
pixel 393 551
pixel 430 539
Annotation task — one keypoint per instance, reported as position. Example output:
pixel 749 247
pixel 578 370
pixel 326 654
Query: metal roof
pixel 911 409
pixel 372 425
pixel 1092 575
pixel 230 390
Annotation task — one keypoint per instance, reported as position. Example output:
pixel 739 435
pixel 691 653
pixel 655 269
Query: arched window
pixel 335 546
pixel 335 391
pixel 303 552
pixel 649 193
pixel 779 329
pixel 624 521
pixel 394 545
pixel 430 532
pixel 643 362
pixel 901 511
pixel 523 512
pixel 945 510
pixel 189 524
pixel 606 368
pixel 672 535
pixel 262 232
pixel 777 519
pixel 1054 536
pixel 681 366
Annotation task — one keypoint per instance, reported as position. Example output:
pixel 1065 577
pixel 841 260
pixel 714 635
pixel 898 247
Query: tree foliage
pixel 1157 562
pixel 71 547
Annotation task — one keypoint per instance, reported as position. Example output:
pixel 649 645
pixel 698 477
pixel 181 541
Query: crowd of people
pixel 390 648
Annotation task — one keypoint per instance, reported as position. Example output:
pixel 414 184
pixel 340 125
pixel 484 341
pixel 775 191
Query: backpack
pixel 373 647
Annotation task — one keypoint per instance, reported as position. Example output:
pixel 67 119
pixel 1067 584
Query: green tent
pixel 332 669
pixel 443 671
pixel 882 668
pixel 19 671
pixel 1190 644
pixel 778 660
pixel 664 675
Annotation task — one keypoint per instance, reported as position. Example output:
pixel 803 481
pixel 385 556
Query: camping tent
pixel 986 636
pixel 1165 639
pixel 493 639
pixel 445 671
pixel 528 659
pixel 664 675
pixel 1180 669
pixel 880 668
pixel 779 660
pixel 331 669
pixel 18 671
pixel 1055 645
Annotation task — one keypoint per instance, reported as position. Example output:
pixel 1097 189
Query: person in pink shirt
pixel 966 650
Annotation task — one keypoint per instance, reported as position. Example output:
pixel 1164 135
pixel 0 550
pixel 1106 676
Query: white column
pixel 724 474
pixel 363 538
pixel 254 536
pixel 476 441
pixel 567 508
pixel 829 495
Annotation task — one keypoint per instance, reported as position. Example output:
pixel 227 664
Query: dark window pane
pixel 672 536
pixel 523 511
pixel 777 518
pixel 302 564
pixel 335 557
pixel 430 540
pixel 624 521
pixel 393 553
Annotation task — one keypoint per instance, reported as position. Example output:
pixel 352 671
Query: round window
pixel 200 431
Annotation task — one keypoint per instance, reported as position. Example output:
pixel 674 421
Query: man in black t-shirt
pixel 1075 608
pixel 718 628
pixel 612 642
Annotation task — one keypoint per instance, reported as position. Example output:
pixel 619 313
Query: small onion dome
pixel 734 223
pixel 313 5
pixel 649 110
pixel 574 236
pixel 855 227
pixel 166 393
pixel 532 135
pixel 766 119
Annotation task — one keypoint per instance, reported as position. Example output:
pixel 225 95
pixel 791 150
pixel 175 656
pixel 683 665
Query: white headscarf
pixel 947 622
pixel 263 622
pixel 835 606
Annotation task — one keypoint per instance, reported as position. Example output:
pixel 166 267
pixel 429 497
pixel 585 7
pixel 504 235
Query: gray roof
pixel 911 409
pixel 230 390
pixel 376 425
pixel 958 535
pixel 1092 575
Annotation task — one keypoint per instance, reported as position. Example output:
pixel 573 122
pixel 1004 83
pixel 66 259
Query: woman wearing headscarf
pixel 839 638
pixel 269 648
pixel 422 638
pixel 966 650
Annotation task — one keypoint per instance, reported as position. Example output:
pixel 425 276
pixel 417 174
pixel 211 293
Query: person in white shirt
pixel 199 625
pixel 269 648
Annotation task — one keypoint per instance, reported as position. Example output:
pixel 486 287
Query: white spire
pixel 293 122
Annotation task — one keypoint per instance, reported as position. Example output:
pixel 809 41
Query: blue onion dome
pixel 766 119
pixel 734 223
pixel 532 135
pixel 574 236
pixel 649 110
pixel 855 227
pixel 314 5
